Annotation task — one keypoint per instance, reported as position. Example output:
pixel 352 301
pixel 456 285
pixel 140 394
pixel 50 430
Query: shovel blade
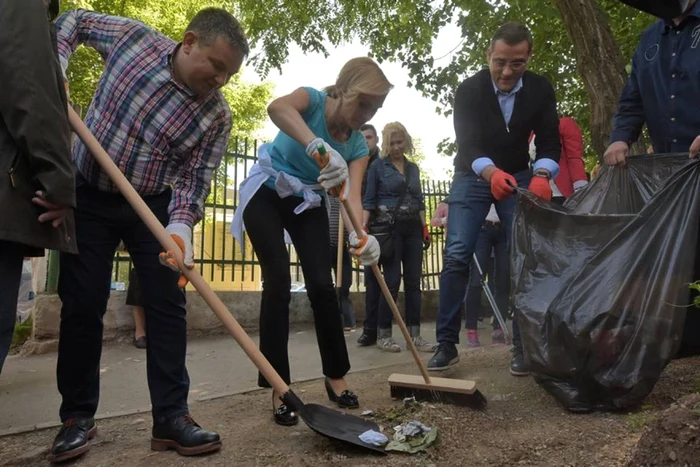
pixel 338 425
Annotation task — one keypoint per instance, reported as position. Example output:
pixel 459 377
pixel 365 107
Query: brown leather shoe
pixel 184 436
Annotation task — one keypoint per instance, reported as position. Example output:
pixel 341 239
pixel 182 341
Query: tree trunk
pixel 600 65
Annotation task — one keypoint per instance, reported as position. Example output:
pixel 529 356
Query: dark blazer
pixel 34 134
pixel 481 130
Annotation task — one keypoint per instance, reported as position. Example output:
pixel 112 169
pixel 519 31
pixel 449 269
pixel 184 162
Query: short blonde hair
pixel 390 129
pixel 360 75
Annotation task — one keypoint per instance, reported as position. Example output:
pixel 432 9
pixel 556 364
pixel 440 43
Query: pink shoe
pixel 497 337
pixel 473 339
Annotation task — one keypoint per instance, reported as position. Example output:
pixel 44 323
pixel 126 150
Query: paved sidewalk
pixel 29 398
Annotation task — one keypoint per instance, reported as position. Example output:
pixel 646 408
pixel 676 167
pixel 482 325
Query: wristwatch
pixel 541 173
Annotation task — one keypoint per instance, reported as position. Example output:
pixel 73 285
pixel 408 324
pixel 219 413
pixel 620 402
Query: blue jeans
pixel 492 238
pixel 470 201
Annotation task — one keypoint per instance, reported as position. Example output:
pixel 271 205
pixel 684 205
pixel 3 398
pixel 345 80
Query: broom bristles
pixel 475 400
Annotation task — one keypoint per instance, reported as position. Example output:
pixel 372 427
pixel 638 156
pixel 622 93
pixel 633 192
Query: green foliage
pixel 695 286
pixel 22 333
pixel 248 101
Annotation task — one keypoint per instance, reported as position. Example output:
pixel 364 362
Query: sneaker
pixel 366 339
pixel 388 344
pixel 518 367
pixel 473 339
pixel 423 345
pixel 445 356
pixel 497 337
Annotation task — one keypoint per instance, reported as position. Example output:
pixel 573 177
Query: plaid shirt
pixel 156 130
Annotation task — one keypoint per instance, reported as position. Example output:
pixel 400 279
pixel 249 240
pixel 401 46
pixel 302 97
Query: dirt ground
pixel 522 426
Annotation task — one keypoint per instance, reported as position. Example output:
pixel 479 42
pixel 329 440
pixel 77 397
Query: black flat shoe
pixel 283 415
pixel 346 400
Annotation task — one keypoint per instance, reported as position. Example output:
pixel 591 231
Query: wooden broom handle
pixel 389 299
pixel 157 229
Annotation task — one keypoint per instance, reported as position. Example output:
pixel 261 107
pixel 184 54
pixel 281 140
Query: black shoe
pixel 283 415
pixel 366 339
pixel 518 367
pixel 73 439
pixel 346 400
pixel 185 436
pixel 140 343
pixel 445 356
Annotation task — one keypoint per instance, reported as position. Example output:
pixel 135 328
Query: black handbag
pixel 384 231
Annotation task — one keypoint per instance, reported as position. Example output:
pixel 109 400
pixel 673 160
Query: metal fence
pixel 229 266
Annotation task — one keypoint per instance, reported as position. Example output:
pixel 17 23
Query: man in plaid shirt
pixel 160 115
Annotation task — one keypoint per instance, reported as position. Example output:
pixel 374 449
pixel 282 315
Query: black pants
pixel 408 251
pixel 11 257
pixel 102 219
pixel 265 218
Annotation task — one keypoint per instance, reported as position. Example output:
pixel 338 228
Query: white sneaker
pixel 388 344
pixel 424 346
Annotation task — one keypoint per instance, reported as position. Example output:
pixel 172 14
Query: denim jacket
pixel 385 185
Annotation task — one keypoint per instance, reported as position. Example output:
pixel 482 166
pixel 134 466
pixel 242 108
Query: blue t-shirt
pixel 290 157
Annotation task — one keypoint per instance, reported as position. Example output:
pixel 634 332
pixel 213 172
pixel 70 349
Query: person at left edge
pixel 159 114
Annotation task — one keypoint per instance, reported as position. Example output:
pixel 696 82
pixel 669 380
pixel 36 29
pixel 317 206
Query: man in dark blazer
pixel 37 187
pixel 494 112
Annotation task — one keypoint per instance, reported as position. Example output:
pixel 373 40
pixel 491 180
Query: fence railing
pixel 229 266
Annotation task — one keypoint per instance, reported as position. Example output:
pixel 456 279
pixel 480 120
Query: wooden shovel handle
pixel 169 244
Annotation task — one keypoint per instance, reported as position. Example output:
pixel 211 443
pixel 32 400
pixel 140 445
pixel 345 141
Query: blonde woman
pixel 283 192
pixel 394 199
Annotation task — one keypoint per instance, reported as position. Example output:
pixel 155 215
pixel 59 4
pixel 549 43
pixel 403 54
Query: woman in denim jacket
pixel 387 178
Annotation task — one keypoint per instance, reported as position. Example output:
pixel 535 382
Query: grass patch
pixel 637 421
pixel 21 334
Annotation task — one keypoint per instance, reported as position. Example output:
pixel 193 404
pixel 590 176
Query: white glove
pixel 183 232
pixel 368 254
pixel 578 184
pixel 335 172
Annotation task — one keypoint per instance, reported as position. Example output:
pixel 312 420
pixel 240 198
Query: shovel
pixel 323 420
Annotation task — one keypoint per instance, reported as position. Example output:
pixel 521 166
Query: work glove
pixel 540 187
pixel 334 169
pixel 182 235
pixel 502 184
pixel 426 238
pixel 366 249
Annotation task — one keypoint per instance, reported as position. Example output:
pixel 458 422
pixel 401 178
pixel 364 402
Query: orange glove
pixel 182 235
pixel 502 184
pixel 539 186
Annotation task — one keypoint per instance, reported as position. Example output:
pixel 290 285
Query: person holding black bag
pixel 394 212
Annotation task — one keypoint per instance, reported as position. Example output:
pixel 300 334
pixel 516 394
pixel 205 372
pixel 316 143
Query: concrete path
pixel 29 398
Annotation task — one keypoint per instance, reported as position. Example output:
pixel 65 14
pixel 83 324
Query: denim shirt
pixel 385 185
pixel 663 89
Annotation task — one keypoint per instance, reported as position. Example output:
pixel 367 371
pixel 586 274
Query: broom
pixel 425 387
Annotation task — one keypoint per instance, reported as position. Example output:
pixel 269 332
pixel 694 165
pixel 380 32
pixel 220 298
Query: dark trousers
pixel 11 258
pixel 265 218
pixel 408 251
pixel 491 238
pixel 470 201
pixel 372 295
pixel 347 310
pixel 102 219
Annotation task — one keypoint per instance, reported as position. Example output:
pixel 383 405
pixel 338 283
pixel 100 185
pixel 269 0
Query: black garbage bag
pixel 600 285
